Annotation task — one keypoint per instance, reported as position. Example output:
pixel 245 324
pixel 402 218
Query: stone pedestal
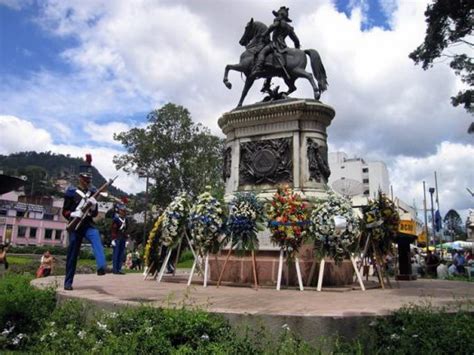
pixel 277 143
pixel 267 145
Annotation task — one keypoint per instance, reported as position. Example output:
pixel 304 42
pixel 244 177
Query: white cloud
pixel 17 135
pixel 104 133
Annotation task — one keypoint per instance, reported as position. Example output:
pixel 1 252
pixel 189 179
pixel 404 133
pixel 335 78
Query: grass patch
pixel 22 260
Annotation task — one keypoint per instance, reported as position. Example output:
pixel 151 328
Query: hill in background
pixel 49 173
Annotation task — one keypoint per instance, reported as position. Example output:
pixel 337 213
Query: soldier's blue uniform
pixel 74 197
pixel 119 239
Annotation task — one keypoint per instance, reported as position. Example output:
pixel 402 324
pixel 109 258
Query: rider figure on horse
pixel 281 29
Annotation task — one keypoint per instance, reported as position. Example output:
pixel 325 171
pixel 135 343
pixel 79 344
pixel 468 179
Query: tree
pixel 448 35
pixel 177 154
pixel 38 182
pixel 453 225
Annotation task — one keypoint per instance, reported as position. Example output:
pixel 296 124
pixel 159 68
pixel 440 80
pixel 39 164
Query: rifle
pixel 75 223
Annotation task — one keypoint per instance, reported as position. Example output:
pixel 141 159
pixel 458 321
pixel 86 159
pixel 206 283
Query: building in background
pixel 373 176
pixel 24 223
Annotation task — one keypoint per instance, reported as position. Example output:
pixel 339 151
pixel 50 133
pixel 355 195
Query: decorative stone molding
pixel 287 110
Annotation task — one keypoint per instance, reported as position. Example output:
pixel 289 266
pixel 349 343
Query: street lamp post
pixel 146 212
pixel 143 173
pixel 432 190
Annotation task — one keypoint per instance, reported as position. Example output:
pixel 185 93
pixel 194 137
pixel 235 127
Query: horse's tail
pixel 318 69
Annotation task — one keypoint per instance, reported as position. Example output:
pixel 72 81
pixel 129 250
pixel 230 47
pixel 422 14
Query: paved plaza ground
pixel 310 313
pixel 131 289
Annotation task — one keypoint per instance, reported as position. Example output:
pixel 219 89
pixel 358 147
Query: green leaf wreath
pixel 380 223
pixel 152 248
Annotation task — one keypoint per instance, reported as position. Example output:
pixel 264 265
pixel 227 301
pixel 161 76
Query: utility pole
pixel 426 217
pixel 432 190
pixel 146 212
pixel 143 173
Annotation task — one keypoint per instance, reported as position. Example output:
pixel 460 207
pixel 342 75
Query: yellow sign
pixel 422 237
pixel 407 227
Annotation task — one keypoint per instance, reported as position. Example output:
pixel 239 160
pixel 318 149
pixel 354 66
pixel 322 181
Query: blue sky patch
pixel 25 47
pixel 374 14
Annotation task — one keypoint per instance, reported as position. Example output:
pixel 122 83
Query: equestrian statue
pixel 267 58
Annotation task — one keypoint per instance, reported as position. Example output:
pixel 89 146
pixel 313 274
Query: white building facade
pixel 372 175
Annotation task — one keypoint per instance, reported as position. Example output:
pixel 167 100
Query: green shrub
pixel 186 255
pixel 23 310
pixel 421 329
pixel 30 249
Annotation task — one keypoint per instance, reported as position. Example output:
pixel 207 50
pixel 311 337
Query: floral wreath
pixel 174 221
pixel 288 220
pixel 206 222
pixel 334 227
pixel 380 223
pixel 152 247
pixel 246 219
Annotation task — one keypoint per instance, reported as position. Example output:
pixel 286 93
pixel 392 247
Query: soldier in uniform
pixel 74 199
pixel 281 29
pixel 119 238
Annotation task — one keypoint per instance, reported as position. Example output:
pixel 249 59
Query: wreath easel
pixel 288 221
pixel 175 219
pixel 152 250
pixel 334 229
pixel 379 228
pixel 206 222
pixel 245 221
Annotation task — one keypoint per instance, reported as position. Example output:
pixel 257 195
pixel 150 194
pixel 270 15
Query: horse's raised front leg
pixel 228 67
pixel 248 84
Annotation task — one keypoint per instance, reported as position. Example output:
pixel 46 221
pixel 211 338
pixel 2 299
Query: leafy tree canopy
pixel 453 225
pixel 449 35
pixel 174 152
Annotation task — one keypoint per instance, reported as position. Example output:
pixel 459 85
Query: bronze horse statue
pixel 290 66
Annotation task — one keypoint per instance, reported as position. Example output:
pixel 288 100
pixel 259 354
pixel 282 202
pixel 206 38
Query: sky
pixel 74 72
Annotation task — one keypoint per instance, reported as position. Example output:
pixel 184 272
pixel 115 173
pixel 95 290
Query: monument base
pixel 239 269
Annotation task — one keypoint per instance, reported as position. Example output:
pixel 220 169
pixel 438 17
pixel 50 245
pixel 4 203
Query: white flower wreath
pixel 334 227
pixel 175 219
pixel 206 221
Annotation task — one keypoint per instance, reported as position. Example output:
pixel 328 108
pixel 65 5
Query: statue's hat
pixel 283 10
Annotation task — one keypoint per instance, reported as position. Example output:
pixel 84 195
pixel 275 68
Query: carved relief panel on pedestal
pixel 317 161
pixel 266 162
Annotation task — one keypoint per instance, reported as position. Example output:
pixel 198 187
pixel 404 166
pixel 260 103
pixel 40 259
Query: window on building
pixel 365 181
pixel 48 234
pixel 3 212
pixel 20 214
pixel 33 232
pixel 21 232
pixel 365 170
pixel 366 193
pixel 48 217
pixel 58 234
